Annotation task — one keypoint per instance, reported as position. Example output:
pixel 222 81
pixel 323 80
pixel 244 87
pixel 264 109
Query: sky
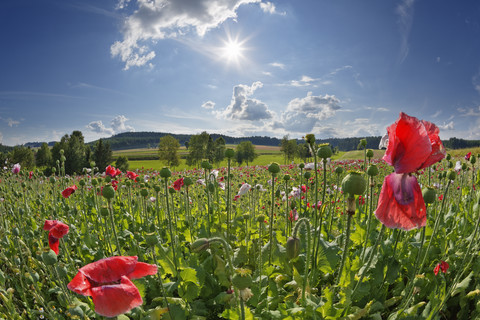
pixel 237 67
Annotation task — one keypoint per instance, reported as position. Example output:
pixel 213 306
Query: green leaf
pixel 462 286
pixel 189 275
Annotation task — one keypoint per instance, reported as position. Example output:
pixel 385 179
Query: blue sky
pixel 237 67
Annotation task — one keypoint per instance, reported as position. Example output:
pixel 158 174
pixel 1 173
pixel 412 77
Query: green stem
pixel 346 242
pixel 110 210
pixel 271 221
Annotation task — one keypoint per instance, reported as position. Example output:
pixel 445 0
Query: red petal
pixel 142 269
pixel 113 300
pixel 53 242
pixel 411 214
pixel 436 269
pixel 438 150
pixel 408 144
pixel 80 284
pixel 59 230
pixel 109 269
pixel 49 224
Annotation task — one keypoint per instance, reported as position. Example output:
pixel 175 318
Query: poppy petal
pixel 142 269
pixel 59 230
pixel 436 269
pixel 116 299
pixel 49 224
pixel 80 285
pixel 438 150
pixel 408 144
pixel 53 242
pixel 109 269
pixel 392 213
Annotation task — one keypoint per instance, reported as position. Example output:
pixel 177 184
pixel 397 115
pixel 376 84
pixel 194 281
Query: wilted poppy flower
pixel 107 281
pixel 244 189
pixel 112 172
pixel 178 184
pixel 413 144
pixel 132 175
pixel 57 231
pixel 16 168
pixel 401 203
pixel 68 191
pixel 441 266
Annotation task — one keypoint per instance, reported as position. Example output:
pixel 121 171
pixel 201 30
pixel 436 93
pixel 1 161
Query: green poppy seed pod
pixel 286 177
pixel 187 181
pixel 54 169
pixel 62 151
pixel 450 164
pixel 144 192
pixel 165 173
pixel 448 157
pixel 108 192
pixel 451 175
pixel 151 239
pixel 274 168
pixel 369 153
pixel 261 218
pixel 229 153
pixel 52 179
pixel 205 164
pixel 372 170
pixel 324 151
pixel 81 182
pixel 157 188
pixel 104 211
pixel 108 179
pixel 464 166
pixel 363 142
pixel 301 165
pixel 201 244
pixel 339 170
pixel 293 247
pixel 57 162
pixel 242 280
pixel 49 257
pixel 63 159
pixel 429 194
pixel 307 175
pixel 354 184
pixel 310 138
pixel 211 187
pixel 473 159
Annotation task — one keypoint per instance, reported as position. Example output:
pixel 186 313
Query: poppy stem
pixel 110 210
pixel 346 240
pixel 305 222
pixel 271 221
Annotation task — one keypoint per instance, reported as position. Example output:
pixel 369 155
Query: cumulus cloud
pixel 303 114
pixel 243 107
pixel 303 82
pixel 117 124
pixel 269 7
pixel 447 126
pixel 208 105
pixel 154 20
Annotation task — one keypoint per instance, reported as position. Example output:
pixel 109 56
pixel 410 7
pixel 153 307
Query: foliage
pixel 167 150
pixel 289 148
pixel 102 155
pixel 122 163
pixel 22 155
pixel 245 152
pixel 43 157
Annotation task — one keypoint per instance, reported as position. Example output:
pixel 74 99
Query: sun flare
pixel 232 50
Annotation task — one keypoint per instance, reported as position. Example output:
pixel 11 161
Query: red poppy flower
pixel 112 172
pixel 441 266
pixel 468 155
pixel 413 144
pixel 178 184
pixel 68 191
pixel 132 175
pixel 57 231
pixel 107 281
pixel 401 204
pixel 30 174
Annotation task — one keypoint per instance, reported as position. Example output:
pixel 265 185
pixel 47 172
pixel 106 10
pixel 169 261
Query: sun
pixel 232 50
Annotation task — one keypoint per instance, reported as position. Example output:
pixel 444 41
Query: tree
pixel 122 163
pixel 245 152
pixel 102 155
pixel 197 148
pixel 289 148
pixel 304 152
pixel 75 153
pixel 167 150
pixel 219 150
pixel 43 156
pixel 22 155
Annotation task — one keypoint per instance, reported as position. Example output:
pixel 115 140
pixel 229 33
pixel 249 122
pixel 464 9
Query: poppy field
pixel 391 238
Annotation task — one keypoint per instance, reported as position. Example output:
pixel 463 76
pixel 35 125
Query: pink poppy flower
pixel 107 281
pixel 68 191
pixel 401 204
pixel 57 230
pixel 441 266
pixel 16 168
pixel 112 172
pixel 178 184
pixel 413 144
pixel 132 175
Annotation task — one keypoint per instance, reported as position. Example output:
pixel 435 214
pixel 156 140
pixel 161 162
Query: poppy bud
pixel 211 187
pixel 187 181
pixel 448 157
pixel 52 179
pixel 451 175
pixel 274 168
pixel 242 280
pixel 108 192
pixel 49 257
pixel 464 166
pixel 200 245
pixel 165 173
pixel 369 153
pixel 81 182
pixel 339 170
pixel 205 164
pixel 354 184
pixel 324 151
pixel 104 211
pixel 372 170
pixel 63 159
pixel 144 192
pixel 286 177
pixel 310 138
pixel 429 194
pixel 363 143
pixel 277 193
pixel 450 164
pixel 301 165
pixel 54 169
pixel 62 151
pixel 473 159
pixel 307 175
pixel 229 153
pixel 293 247
pixel 151 239
pixel 261 218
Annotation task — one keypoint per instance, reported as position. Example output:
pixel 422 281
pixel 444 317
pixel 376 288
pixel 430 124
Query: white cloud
pixel 277 65
pixel 267 73
pixel 303 114
pixel 303 82
pixel 447 126
pixel 11 122
pixel 469 112
pixel 243 107
pixel 269 7
pixel 334 72
pixel 208 105
pixel 118 124
pixel 159 19
pixel 436 114
pixel 405 19
pixel 98 127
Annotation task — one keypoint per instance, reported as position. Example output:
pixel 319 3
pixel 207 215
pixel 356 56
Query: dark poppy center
pixel 402 186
